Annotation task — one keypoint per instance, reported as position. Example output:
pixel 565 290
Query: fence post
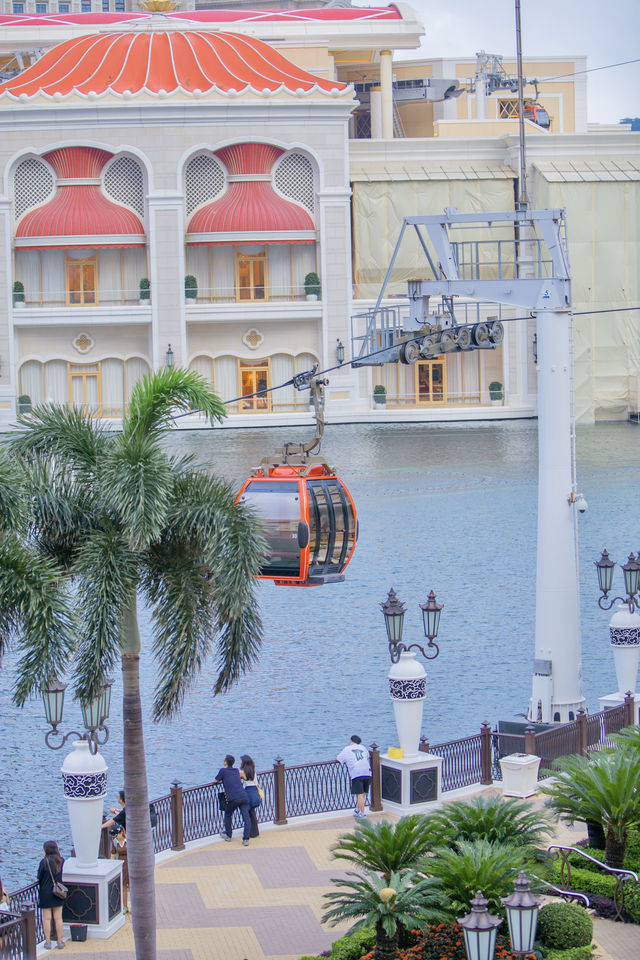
pixel 30 949
pixel 375 804
pixel 582 732
pixel 424 745
pixel 629 704
pixel 486 773
pixel 530 741
pixel 279 792
pixel 177 817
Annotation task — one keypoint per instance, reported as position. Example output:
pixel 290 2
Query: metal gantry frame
pixel 516 259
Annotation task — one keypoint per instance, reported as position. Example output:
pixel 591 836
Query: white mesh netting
pixel 294 179
pixel 123 182
pixel 33 184
pixel 204 180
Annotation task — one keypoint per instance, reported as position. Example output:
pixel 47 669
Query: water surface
pixel 445 506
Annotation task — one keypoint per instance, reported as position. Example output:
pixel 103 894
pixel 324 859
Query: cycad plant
pixel 385 847
pixel 603 788
pixel 388 905
pixel 118 520
pixel 629 737
pixel 492 818
pixel 471 866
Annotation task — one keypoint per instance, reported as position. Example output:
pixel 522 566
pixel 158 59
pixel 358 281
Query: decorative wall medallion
pixel 253 339
pixel 408 689
pixel 85 786
pixel 625 636
pixel 83 343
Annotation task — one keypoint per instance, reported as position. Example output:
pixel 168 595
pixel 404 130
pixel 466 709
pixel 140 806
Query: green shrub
pixel 587 881
pixel 145 289
pixel 495 390
pixel 18 291
pixel 632 900
pixel 312 285
pixel 564 925
pixel 190 287
pixel 577 861
pixel 632 858
pixel 574 953
pixel 354 945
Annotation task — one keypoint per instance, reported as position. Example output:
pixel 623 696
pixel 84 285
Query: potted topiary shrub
pixel 190 289
pixel 18 293
pixel 24 403
pixel 495 391
pixel 145 290
pixel 312 286
pixel 380 394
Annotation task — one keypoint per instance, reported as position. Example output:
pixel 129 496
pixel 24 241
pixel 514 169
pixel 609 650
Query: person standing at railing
pixel 356 759
pixel 252 789
pixel 50 874
pixel 236 799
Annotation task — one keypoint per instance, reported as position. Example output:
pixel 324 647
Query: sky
pixel 604 32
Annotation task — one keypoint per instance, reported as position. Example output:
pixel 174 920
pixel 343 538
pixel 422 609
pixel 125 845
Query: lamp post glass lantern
pixel 339 351
pixel 631 573
pixel 522 916
pixel 168 357
pixel 94 714
pixel 393 611
pixel 480 929
pixel 53 698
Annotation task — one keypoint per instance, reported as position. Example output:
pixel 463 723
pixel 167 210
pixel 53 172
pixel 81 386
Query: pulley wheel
pixel 481 333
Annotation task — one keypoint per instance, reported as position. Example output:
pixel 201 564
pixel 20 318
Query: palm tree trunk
pixel 140 855
pixel 615 850
pixel 386 947
pixel 595 834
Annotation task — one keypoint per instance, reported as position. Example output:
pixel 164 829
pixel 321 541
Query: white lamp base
pixel 410 784
pixel 95 896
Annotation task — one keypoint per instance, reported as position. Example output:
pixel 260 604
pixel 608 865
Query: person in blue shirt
pixel 236 797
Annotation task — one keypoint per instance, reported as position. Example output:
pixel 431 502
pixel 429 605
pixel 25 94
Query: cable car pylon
pixel 308 516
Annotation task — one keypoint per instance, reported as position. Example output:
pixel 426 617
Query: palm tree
pixel 603 788
pixel 497 819
pixel 126 521
pixel 474 865
pixel 385 847
pixel 387 905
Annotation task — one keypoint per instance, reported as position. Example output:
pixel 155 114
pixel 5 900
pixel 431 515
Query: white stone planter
pixel 85 784
pixel 519 775
pixel 189 300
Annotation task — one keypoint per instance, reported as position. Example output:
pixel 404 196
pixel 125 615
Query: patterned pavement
pixel 223 901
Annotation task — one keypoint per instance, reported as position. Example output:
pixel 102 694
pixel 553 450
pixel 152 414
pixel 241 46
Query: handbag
pixel 260 791
pixel 222 801
pixel 59 889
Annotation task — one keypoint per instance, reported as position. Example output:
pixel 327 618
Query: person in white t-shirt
pixel 356 759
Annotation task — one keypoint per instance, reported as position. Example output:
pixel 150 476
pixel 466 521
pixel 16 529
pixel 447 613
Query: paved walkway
pixel 223 901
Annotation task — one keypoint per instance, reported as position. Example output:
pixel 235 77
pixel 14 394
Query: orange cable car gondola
pixel 307 513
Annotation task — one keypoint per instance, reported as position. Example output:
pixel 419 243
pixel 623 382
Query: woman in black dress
pixel 50 870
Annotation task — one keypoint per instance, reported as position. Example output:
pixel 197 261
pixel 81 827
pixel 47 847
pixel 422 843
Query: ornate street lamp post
pixel 624 625
pixel 480 929
pixel 409 776
pixel 522 916
pixel 94 714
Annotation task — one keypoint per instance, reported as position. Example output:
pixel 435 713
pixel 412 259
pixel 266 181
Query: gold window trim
pixel 253 258
pixel 254 367
pixel 429 365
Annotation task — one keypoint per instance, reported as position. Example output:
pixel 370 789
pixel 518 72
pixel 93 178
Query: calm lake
pixel 445 506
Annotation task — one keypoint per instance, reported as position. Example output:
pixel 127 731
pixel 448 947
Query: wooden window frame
pixel 253 258
pixel 429 364
pixel 254 366
pixel 72 261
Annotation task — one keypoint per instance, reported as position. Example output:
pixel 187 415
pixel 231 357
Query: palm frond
pixel 628 737
pixel 63 432
pixel 475 865
pixel 365 896
pixel 13 495
pixel 35 613
pixel 136 483
pixel 107 573
pixel 497 819
pixel 171 390
pixel 184 615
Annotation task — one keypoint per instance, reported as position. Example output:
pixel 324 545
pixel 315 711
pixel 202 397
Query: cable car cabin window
pixel 332 526
pixel 278 506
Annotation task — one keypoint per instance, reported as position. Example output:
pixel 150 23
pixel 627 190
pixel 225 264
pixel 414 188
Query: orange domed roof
pixel 161 63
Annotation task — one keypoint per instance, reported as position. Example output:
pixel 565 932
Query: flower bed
pixel 446 942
